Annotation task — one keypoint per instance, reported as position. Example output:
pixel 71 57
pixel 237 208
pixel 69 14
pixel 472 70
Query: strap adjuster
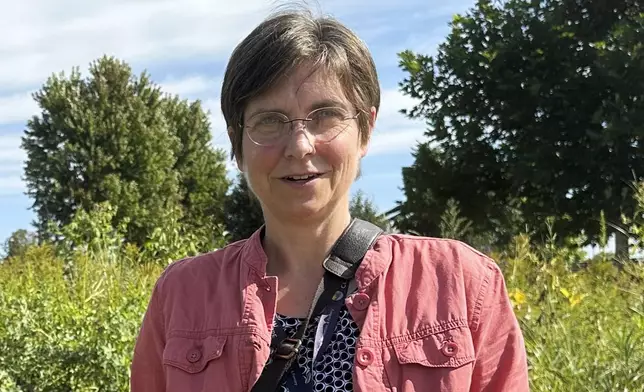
pixel 287 349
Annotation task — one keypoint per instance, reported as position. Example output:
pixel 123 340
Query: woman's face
pixel 301 178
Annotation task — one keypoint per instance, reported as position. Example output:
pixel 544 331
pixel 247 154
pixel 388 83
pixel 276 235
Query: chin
pixel 301 212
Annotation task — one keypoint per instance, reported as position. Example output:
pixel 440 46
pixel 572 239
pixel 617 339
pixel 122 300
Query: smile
pixel 302 178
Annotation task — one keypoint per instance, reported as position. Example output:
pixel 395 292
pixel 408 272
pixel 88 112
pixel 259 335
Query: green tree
pixel 531 106
pixel 18 243
pixel 363 207
pixel 116 137
pixel 243 211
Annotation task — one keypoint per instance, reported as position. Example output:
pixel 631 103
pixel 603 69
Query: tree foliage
pixel 116 137
pixel 534 109
pixel 363 207
pixel 18 243
pixel 242 210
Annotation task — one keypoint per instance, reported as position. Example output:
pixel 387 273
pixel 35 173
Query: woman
pixel 300 97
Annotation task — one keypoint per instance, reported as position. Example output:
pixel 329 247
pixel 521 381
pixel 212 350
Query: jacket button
pixel 194 355
pixel 365 356
pixel 361 301
pixel 450 349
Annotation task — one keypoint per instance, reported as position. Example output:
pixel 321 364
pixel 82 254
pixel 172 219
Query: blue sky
pixel 184 45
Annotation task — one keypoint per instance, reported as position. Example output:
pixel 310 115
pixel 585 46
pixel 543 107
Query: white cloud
pixel 394 132
pixel 391 102
pixel 11 185
pixel 41 37
pixel 395 141
pixel 190 86
pixel 10 151
pixel 16 108
pixel 11 159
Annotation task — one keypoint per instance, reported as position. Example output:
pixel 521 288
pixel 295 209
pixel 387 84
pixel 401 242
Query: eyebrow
pixel 324 103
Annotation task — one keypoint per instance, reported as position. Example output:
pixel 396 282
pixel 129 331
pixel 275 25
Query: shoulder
pixel 443 255
pixel 204 268
pixel 450 269
pixel 191 289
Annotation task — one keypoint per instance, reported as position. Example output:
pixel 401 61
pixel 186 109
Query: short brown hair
pixel 285 40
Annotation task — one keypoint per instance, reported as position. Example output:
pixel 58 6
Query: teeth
pixel 301 177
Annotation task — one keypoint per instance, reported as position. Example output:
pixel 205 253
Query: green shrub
pixel 70 329
pixel 92 233
pixel 7 384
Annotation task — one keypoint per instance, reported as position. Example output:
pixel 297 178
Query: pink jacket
pixel 434 315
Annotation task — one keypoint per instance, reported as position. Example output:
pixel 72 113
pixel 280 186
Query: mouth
pixel 301 179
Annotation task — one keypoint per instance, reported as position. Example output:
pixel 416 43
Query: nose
pixel 299 143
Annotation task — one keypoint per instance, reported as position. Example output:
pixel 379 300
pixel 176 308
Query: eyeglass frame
pixel 304 121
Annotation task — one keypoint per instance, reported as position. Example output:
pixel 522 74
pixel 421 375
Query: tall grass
pixel 584 329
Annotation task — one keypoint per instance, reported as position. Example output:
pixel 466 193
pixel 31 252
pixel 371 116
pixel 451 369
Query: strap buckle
pixel 287 349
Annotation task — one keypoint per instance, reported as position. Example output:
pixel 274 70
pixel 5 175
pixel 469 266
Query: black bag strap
pixel 340 266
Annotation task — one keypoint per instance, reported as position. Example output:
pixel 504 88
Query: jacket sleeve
pixel 147 363
pixel 501 360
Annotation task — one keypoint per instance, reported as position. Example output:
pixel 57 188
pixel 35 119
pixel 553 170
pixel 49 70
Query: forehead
pixel 301 90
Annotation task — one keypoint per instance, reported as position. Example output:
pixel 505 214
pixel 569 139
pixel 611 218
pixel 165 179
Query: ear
pixel 373 115
pixel 231 137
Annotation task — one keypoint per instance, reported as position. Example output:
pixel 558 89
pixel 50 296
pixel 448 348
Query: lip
pixel 300 184
pixel 301 175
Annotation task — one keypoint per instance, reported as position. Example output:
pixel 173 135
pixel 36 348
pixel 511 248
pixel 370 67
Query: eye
pixel 270 119
pixel 327 114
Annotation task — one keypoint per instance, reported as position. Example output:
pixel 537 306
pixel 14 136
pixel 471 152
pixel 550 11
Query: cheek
pixel 340 155
pixel 259 160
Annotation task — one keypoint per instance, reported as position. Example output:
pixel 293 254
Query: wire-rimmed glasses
pixel 324 124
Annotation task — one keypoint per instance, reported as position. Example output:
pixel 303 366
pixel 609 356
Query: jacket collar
pixel 375 262
pixel 377 259
pixel 253 254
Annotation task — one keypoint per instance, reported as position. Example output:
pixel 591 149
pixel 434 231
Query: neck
pixel 296 250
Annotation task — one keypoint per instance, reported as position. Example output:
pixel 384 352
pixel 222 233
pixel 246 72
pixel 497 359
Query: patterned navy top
pixel 332 368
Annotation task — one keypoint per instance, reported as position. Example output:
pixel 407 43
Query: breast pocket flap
pixel 447 348
pixel 193 355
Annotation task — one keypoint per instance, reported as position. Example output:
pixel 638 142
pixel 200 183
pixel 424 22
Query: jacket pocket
pixel 437 359
pixel 202 361
pixel 448 348
pixel 193 355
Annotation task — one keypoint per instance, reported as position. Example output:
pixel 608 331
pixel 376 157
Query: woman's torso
pixel 414 306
